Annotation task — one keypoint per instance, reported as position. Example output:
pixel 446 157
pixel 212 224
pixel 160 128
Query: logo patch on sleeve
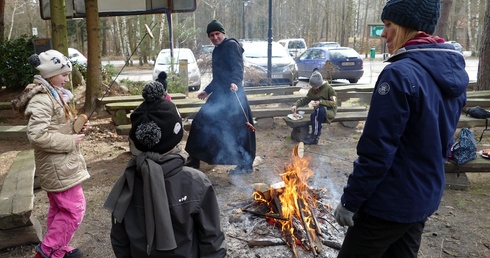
pixel 384 88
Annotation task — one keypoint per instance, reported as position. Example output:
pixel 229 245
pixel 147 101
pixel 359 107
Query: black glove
pixel 343 216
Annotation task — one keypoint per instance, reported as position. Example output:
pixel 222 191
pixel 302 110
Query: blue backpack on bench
pixel 464 149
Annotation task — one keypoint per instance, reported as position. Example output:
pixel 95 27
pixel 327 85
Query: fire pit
pixel 295 208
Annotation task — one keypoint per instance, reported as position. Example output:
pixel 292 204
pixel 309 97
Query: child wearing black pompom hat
pixel 161 208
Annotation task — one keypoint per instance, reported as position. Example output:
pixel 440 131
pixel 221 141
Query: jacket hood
pixel 441 62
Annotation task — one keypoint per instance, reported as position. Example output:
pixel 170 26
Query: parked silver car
pixel 284 70
pixel 164 63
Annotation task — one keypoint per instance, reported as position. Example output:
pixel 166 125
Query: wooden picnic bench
pixel 344 114
pixel 129 98
pixel 301 127
pixel 5 105
pixel 187 107
pixel 18 226
pixel 456 175
pixel 13 132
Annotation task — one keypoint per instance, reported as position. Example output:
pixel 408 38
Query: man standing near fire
pixel 398 179
pixel 222 131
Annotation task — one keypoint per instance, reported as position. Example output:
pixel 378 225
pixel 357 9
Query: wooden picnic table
pixel 129 98
pixel 345 114
pixel 482 102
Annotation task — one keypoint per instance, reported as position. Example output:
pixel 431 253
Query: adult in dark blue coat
pixel 398 179
pixel 219 134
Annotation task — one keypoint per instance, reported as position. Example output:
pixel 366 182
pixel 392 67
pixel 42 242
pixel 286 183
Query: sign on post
pixel 76 8
pixel 375 30
pixel 184 74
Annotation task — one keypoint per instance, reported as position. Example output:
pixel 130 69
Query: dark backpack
pixel 480 113
pixel 464 149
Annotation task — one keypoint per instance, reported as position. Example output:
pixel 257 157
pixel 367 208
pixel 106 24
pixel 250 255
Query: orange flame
pixel 294 198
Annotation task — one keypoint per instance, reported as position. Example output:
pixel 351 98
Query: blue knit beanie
pixel 415 14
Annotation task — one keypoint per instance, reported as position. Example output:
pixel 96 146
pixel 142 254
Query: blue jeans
pixel 317 117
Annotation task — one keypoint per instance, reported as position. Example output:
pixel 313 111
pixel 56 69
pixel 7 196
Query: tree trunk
pixel 126 41
pixel 59 32
pixel 483 77
pixel 94 80
pixel 441 28
pixel 2 21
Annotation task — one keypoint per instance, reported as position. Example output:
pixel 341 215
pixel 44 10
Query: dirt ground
pixel 460 228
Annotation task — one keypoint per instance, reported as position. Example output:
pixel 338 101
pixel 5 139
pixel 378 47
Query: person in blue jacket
pixel 398 179
pixel 222 132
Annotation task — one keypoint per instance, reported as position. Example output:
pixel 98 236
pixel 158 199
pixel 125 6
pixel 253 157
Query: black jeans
pixel 374 237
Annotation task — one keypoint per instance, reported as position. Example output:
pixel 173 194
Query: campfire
pixel 295 208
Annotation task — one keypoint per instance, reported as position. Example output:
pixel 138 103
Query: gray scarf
pixel 157 214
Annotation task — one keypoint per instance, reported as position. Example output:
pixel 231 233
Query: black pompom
pixel 34 60
pixel 152 91
pixel 162 76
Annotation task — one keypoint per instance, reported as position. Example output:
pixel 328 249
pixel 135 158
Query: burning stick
pixel 306 226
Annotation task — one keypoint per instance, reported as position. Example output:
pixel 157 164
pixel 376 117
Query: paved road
pixel 372 68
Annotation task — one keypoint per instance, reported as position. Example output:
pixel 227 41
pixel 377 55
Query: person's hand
pixel 78 138
pixel 332 103
pixel 314 103
pixel 85 126
pixel 343 216
pixel 233 87
pixel 202 95
pixel 294 109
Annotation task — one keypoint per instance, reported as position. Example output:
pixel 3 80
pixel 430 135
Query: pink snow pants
pixel 66 210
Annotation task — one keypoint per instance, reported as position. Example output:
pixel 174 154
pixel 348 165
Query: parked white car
pixel 295 47
pixel 164 63
pixel 76 57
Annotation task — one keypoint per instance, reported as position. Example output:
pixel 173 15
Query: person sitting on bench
pixel 323 98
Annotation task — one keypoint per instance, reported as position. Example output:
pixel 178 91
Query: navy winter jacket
pixel 414 112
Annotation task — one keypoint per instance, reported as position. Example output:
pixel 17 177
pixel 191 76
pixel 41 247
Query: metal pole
pixel 243 19
pixel 269 46
pixel 170 32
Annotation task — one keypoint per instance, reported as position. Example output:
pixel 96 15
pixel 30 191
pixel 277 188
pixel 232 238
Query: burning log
pixel 289 204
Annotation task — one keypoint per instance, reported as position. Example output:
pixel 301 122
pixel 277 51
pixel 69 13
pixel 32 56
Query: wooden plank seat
pixel 478 165
pixel 129 98
pixel 301 127
pixel 18 226
pixel 344 114
pixel 257 100
pixel 272 90
pixel 13 132
pixel 478 94
pixel 187 107
pixel 470 122
pixel 482 102
pixel 5 105
pixel 456 175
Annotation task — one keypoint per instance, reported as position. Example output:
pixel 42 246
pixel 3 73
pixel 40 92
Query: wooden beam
pixel 17 195
pixel 478 165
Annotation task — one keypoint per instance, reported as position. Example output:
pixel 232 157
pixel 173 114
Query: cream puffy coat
pixel 59 163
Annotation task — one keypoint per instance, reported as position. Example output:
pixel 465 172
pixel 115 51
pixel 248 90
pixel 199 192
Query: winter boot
pixel 311 139
pixel 75 253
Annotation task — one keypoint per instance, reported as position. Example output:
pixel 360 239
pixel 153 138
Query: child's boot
pixel 311 139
